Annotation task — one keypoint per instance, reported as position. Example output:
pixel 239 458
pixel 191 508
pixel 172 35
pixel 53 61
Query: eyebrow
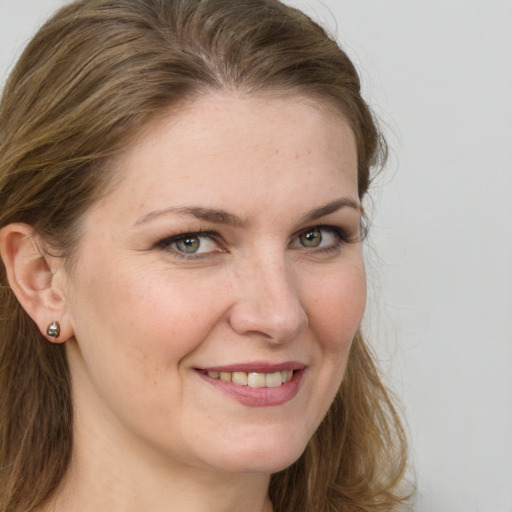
pixel 219 216
pixel 209 214
pixel 333 206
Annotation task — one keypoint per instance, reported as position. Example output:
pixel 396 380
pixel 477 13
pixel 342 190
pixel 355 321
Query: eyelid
pixel 341 234
pixel 337 230
pixel 342 237
pixel 165 244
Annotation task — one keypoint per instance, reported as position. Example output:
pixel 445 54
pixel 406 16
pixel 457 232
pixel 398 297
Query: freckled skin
pixel 145 319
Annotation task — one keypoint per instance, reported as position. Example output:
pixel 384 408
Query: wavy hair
pixel 92 76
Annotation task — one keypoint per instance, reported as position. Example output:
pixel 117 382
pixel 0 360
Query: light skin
pixel 270 273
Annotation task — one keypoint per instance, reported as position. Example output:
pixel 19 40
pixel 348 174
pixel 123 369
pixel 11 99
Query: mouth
pixel 256 385
pixel 252 379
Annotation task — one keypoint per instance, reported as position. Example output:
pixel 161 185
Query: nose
pixel 268 302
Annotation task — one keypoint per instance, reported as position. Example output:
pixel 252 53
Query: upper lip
pixel 258 366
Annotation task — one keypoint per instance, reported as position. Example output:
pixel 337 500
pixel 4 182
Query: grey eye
pixel 311 238
pixel 189 244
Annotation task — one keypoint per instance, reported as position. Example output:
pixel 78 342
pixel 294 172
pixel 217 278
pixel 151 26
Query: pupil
pixel 190 244
pixel 312 238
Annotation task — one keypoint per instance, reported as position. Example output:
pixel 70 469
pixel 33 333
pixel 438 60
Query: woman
pixel 181 186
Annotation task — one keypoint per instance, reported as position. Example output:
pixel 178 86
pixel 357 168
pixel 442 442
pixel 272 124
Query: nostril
pixel 275 327
pixel 268 304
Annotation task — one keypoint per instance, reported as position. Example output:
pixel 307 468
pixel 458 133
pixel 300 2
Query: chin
pixel 262 464
pixel 270 456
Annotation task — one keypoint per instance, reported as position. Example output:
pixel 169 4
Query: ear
pixel 31 275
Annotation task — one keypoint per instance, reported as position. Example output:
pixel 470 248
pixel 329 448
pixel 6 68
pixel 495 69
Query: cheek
pixel 138 324
pixel 158 316
pixel 337 309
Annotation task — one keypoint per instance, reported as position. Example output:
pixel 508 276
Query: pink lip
pixel 258 397
pixel 258 366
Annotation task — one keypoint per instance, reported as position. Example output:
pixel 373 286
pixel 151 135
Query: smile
pixel 257 385
pixel 254 379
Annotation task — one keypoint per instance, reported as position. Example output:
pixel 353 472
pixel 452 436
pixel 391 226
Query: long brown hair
pixel 92 76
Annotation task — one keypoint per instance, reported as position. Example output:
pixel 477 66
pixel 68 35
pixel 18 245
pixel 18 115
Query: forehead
pixel 221 147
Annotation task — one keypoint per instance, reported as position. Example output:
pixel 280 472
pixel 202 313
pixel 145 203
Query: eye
pixel 311 238
pixel 191 244
pixel 320 238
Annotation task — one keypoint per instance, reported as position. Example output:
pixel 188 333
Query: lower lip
pixel 259 397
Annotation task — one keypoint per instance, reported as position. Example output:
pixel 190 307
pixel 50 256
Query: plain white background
pixel 438 73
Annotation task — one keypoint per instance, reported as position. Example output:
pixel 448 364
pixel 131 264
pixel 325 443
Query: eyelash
pixel 341 238
pixel 167 242
pixel 339 233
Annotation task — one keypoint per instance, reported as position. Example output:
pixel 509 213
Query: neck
pixel 89 486
pixel 191 496
pixel 129 480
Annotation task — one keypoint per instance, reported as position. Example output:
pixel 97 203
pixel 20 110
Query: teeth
pixel 239 378
pixel 286 375
pixel 254 379
pixel 226 376
pixel 272 380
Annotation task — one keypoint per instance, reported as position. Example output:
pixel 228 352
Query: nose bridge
pixel 269 301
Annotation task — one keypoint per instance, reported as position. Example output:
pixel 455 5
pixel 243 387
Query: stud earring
pixel 53 330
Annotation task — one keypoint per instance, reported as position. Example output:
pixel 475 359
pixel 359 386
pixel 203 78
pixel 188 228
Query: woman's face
pixel 217 290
